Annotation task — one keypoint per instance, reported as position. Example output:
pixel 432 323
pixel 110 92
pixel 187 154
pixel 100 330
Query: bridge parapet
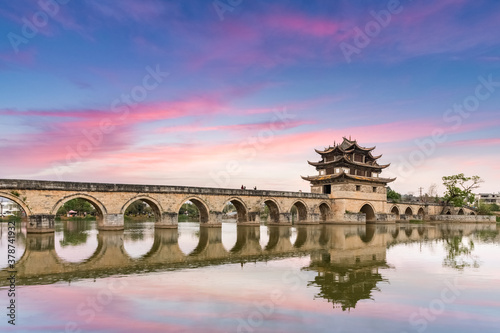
pixel 108 187
pixel 42 199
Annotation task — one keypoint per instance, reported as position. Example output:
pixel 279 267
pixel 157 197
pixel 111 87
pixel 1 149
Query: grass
pixel 416 221
pixel 10 219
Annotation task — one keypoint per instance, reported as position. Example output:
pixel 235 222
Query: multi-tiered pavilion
pixel 350 174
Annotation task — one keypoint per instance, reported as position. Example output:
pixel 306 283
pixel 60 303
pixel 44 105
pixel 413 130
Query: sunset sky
pixel 230 92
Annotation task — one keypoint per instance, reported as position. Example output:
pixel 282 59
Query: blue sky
pixel 245 90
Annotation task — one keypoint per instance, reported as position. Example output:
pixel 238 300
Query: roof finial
pixel 349 138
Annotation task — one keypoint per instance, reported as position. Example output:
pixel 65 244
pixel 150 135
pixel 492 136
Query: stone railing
pixel 104 187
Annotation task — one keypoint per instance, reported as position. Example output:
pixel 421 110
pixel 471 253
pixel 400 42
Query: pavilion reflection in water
pixel 346 278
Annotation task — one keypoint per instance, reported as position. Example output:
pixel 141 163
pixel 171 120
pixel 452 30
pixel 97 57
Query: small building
pixel 71 213
pixel 489 198
pixel 350 174
pixel 9 207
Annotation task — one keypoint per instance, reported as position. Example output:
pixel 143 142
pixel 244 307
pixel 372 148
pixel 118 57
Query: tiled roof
pixel 347 146
pixel 343 158
pixel 349 176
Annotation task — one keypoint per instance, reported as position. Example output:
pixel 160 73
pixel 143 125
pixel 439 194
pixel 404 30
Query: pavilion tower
pixel 350 173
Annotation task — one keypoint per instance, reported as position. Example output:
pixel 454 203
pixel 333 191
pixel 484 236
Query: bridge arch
pixel 461 211
pixel 153 203
pixel 274 210
pixel 472 213
pixel 325 211
pixel 395 211
pixel 421 211
pixel 408 211
pixel 367 208
pixel 18 201
pixel 241 208
pixel 301 210
pixel 200 204
pixel 98 205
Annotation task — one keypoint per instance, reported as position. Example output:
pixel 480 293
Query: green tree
pixel 483 209
pixel 459 189
pixel 136 208
pixel 294 212
pixel 229 207
pixel 78 204
pixel 393 195
pixel 190 208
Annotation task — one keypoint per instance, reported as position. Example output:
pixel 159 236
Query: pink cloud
pixel 299 105
pixel 66 132
pixel 64 135
pixel 299 23
pixel 270 42
pixel 418 30
pixel 234 128
pixel 477 142
pixel 23 57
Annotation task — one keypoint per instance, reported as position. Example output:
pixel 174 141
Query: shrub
pixel 484 209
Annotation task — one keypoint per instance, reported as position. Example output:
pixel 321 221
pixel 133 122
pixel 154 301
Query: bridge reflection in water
pixel 349 260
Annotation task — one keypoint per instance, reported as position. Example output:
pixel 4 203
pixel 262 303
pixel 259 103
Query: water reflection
pixel 488 235
pixel 75 240
pixel 345 281
pixel 459 253
pixel 137 237
pixel 348 260
pixel 74 232
pixel 247 240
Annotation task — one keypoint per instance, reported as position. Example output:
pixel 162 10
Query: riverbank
pixel 76 218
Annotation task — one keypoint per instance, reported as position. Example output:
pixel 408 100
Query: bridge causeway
pixel 41 201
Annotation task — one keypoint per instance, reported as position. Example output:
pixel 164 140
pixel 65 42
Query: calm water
pixel 384 278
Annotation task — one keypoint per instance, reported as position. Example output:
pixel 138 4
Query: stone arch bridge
pixel 42 199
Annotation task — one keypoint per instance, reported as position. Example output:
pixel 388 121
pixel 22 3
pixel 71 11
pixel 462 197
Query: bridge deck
pixel 108 187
